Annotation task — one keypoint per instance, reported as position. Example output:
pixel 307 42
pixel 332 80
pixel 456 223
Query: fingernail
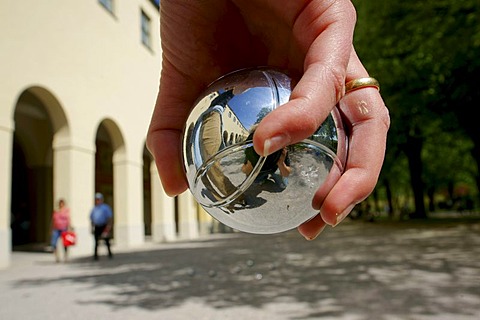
pixel 314 236
pixel 340 216
pixel 274 144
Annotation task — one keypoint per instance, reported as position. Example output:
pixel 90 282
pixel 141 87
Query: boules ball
pixel 234 184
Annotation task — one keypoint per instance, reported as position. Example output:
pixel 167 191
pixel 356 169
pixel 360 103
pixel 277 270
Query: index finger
pixel 326 34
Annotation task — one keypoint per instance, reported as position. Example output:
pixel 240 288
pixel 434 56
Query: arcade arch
pixel 39 120
pixel 110 150
pixel 147 191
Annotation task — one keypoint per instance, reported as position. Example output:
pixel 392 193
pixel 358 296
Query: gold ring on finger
pixel 360 83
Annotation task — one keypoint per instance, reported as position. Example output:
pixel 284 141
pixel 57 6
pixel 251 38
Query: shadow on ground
pixel 368 269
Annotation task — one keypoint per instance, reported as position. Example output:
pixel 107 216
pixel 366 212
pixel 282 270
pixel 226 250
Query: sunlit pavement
pixel 414 270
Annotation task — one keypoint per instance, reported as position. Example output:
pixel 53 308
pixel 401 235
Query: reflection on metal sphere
pixel 231 181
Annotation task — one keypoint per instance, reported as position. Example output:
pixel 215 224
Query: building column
pixel 73 180
pixel 163 210
pixel 187 216
pixel 205 221
pixel 6 141
pixel 128 201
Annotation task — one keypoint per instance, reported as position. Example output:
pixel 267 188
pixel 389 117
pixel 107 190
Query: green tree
pixel 414 49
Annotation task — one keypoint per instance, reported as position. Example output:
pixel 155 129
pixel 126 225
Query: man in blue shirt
pixel 101 218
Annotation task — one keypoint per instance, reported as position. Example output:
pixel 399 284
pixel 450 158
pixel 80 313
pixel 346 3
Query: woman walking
pixel 60 223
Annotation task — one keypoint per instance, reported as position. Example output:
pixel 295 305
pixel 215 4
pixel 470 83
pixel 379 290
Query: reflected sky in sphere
pixel 256 97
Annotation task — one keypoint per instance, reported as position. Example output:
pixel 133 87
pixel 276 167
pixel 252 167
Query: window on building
pixel 107 4
pixel 146 30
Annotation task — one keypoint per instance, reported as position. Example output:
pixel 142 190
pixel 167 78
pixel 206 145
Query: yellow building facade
pixel 79 82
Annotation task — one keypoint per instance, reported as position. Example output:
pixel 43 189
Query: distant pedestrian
pixel 101 218
pixel 60 223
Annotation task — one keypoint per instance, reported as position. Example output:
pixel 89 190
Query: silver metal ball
pixel 235 185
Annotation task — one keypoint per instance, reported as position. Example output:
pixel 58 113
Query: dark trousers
pixel 98 236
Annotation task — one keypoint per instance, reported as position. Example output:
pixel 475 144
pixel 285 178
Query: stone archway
pixel 118 177
pixel 147 191
pixel 109 144
pixel 39 120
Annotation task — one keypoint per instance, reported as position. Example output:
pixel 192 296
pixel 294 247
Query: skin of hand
pixel 282 166
pixel 247 168
pixel 311 41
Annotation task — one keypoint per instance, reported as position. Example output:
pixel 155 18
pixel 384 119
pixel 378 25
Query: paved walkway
pixel 356 271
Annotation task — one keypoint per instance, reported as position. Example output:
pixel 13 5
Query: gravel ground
pixel 411 270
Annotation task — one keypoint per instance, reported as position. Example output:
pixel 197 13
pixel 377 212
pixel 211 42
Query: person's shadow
pixel 253 196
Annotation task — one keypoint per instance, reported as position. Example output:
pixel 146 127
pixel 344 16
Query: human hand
pixel 283 155
pixel 247 168
pixel 367 122
pixel 202 40
pixel 285 170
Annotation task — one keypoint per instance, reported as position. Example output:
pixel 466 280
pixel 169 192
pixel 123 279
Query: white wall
pixel 94 65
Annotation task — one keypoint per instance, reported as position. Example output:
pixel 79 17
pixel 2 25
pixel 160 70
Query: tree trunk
pixel 431 199
pixel 476 156
pixel 388 192
pixel 413 150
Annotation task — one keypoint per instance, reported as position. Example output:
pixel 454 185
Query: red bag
pixel 69 238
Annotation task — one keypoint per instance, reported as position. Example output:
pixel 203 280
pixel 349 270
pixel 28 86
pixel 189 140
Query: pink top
pixel 61 219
